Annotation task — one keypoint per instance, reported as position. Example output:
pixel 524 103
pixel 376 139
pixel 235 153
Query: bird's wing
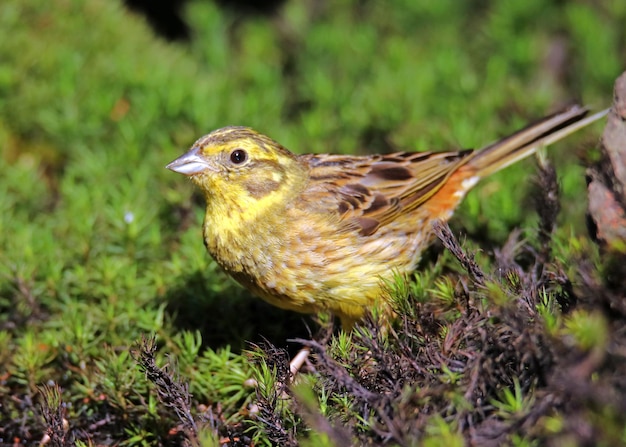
pixel 370 191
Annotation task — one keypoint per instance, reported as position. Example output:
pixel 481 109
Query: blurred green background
pixel 100 244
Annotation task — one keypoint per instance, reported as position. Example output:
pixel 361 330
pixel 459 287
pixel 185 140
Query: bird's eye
pixel 238 156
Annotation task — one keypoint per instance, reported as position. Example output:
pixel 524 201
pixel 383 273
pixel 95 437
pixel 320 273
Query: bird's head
pixel 239 168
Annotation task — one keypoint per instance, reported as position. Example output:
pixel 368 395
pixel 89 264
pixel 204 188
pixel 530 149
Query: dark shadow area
pixel 376 139
pixel 250 7
pixel 20 307
pixel 167 17
pixel 234 318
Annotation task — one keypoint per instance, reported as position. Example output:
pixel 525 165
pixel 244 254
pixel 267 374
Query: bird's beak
pixel 190 163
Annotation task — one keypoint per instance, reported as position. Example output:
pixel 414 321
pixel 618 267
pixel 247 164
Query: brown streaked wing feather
pixel 368 192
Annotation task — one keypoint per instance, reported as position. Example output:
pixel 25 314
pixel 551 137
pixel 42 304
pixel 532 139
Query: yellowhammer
pixel 324 232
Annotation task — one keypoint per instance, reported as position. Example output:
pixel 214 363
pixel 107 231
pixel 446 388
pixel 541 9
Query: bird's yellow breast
pixel 305 263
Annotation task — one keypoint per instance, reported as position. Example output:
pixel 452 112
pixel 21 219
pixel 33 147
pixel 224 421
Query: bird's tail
pixel 527 141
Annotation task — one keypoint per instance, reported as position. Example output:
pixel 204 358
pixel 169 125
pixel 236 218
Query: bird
pixel 327 232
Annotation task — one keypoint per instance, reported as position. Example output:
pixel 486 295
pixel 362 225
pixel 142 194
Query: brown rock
pixel 607 180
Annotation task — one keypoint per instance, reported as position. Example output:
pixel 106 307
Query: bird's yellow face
pixel 242 174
